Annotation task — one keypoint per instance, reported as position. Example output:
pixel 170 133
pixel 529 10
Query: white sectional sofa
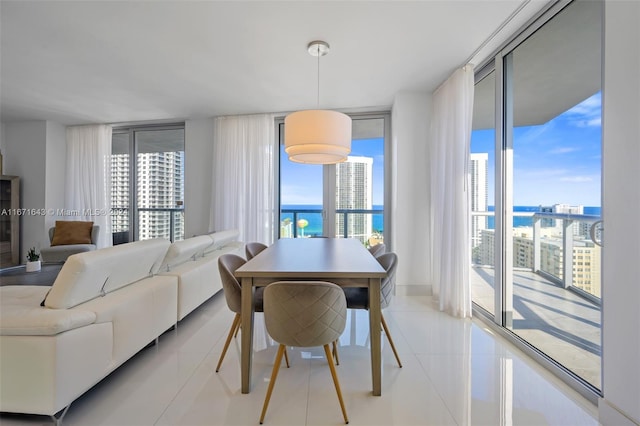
pixel 194 262
pixel 105 305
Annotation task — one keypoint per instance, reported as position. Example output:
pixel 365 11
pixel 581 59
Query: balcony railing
pixel 542 251
pixel 344 219
pixel 156 223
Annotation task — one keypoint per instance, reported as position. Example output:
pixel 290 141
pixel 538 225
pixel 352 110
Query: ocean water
pixel 314 219
pixel 528 221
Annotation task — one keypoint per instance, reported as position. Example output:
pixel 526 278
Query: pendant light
pixel 317 136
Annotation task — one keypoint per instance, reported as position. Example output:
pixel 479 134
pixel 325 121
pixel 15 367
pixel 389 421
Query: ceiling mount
pixel 318 48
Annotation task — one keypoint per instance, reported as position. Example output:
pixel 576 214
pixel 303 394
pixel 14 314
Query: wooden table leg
pixel 375 320
pixel 247 333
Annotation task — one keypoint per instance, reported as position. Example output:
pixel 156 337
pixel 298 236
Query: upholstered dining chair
pixel 252 249
pixel 378 249
pixel 304 314
pixel 227 264
pixel 358 298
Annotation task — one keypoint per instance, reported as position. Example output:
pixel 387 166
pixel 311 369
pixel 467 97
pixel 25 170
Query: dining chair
pixel 378 249
pixel 358 298
pixel 227 264
pixel 304 314
pixel 252 249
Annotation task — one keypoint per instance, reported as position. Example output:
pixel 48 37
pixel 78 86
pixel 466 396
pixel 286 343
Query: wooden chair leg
pixel 393 347
pixel 335 352
pixel 237 330
pixel 286 357
pixel 272 382
pixel 334 375
pixel 234 325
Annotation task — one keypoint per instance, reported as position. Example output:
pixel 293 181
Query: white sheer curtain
pixel 244 176
pixel 450 252
pixel 88 177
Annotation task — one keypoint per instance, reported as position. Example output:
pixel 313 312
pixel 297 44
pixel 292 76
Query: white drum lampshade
pixel 317 136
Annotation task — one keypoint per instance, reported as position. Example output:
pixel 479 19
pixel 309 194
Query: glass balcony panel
pixel 365 225
pixel 300 223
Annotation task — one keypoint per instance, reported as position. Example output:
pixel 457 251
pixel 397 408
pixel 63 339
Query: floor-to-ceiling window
pixel 482 170
pixel 345 200
pixel 544 237
pixel 147 195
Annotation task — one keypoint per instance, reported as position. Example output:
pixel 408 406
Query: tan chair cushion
pixel 72 232
pixel 304 313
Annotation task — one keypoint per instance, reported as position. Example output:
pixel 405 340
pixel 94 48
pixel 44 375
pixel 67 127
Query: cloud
pixel 541 173
pixel 577 179
pixel 563 150
pixel 587 113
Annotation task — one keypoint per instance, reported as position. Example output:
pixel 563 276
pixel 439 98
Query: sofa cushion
pixel 186 250
pixel 222 238
pixel 86 276
pixel 72 232
pixel 197 282
pixel 22 314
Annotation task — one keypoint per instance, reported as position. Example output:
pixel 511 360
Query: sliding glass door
pixel 147 194
pixel 544 284
pixel 482 170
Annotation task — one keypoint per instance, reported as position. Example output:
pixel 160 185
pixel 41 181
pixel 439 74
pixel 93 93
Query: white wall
pixel 198 175
pixel 409 135
pixel 24 156
pixel 621 254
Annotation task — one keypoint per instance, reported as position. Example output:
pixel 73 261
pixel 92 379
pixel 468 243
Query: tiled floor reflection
pixel 455 373
pixel 557 321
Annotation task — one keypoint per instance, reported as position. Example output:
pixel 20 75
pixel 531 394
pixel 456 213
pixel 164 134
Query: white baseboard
pixel 610 415
pixel 414 290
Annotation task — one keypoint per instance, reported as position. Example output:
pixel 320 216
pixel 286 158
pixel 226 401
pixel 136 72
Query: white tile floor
pixel 455 372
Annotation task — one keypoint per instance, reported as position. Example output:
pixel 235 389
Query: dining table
pixel 343 261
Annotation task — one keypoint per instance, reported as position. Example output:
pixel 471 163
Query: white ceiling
pixel 111 62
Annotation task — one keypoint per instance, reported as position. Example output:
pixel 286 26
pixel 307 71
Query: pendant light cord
pixel 318 96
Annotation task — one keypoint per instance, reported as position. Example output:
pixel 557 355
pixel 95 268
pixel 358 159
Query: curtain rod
pixel 497 31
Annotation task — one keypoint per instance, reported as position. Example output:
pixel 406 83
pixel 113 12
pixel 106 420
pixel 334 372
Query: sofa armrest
pixel 22 315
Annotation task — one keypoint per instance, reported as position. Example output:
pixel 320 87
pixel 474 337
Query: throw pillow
pixel 72 232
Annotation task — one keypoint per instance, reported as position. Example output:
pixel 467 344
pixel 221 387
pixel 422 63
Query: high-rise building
pixel 479 195
pixel 159 185
pixel 585 257
pixel 578 229
pixel 120 192
pixel 354 191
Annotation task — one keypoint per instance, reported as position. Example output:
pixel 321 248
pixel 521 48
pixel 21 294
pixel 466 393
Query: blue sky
pixel 555 162
pixel 302 183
